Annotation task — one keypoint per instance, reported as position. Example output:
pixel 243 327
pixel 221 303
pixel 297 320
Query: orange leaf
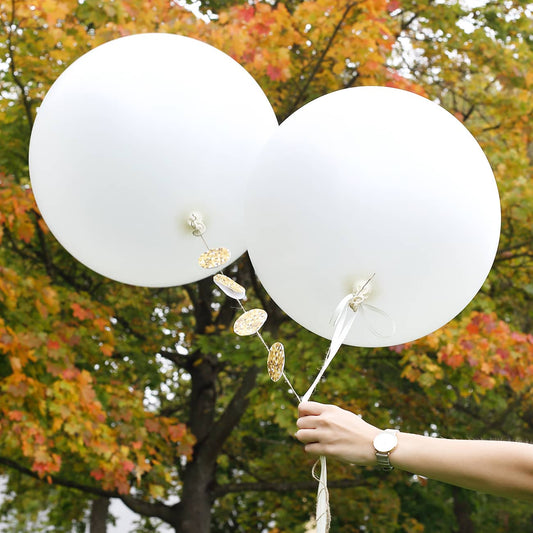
pixel 98 474
pixel 79 312
pixel 100 323
pixel 69 373
pixel 15 415
pixel 16 364
pixel 128 466
pixel 152 425
pixel 274 73
pixel 176 432
pixel 107 349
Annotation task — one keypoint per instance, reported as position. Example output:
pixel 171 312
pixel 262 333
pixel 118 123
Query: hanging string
pixel 343 318
pixel 268 350
pixel 346 312
pixel 196 223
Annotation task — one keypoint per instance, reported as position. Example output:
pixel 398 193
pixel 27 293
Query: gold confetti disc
pixel 229 287
pixel 214 258
pixel 276 361
pixel 250 322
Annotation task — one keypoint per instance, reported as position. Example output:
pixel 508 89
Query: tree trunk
pixel 193 513
pixel 462 510
pixel 99 513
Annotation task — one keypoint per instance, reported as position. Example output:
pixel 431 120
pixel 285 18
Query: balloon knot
pixel 360 293
pixel 196 222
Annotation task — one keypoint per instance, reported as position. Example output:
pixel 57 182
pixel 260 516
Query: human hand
pixel 334 432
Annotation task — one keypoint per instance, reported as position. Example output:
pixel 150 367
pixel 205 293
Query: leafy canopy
pixel 121 391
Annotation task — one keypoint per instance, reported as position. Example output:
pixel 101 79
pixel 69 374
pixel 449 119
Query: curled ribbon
pixel 343 319
pixel 323 513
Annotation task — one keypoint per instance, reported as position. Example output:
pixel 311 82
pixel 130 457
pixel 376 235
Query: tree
pixel 147 395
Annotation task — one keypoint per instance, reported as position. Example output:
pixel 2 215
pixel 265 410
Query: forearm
pixel 500 468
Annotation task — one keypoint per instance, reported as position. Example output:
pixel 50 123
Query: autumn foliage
pixel 145 394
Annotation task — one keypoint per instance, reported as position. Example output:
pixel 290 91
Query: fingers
pixel 311 440
pixel 314 448
pixel 317 428
pixel 308 422
pixel 311 408
pixel 306 435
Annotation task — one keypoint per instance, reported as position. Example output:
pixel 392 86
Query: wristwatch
pixel 384 444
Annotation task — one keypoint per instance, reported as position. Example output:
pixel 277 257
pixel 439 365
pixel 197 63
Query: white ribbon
pixel 343 319
pixel 377 310
pixel 323 514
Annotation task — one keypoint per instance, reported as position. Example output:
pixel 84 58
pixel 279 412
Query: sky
pixel 124 517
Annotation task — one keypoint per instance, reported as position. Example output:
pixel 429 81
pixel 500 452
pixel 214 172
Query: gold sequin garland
pixel 214 258
pixel 276 361
pixel 229 287
pixel 250 322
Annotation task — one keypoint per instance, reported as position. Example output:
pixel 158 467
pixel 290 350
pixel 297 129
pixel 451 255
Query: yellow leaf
pixel 156 491
pixel 16 365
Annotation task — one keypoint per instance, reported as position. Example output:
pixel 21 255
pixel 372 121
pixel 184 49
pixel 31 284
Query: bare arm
pixel 500 468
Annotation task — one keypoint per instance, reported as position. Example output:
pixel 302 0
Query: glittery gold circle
pixel 250 322
pixel 214 258
pixel 276 361
pixel 229 287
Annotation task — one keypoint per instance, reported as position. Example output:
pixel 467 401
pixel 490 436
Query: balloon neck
pixel 197 224
pixel 360 293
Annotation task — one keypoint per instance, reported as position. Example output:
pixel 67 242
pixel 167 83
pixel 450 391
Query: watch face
pixel 385 442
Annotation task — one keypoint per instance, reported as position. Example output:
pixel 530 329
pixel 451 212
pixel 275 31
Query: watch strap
pixel 384 461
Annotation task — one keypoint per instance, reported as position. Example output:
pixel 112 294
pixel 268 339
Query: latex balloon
pixel 133 137
pixel 373 181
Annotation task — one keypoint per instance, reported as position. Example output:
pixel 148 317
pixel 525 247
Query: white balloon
pixel 133 137
pixel 373 180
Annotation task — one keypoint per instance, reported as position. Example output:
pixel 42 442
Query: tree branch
pixel 45 253
pixel 275 313
pixel 282 486
pixel 303 90
pixel 406 23
pixel 11 53
pixel 145 508
pixel 202 305
pixel 59 480
pixel 258 291
pixel 230 418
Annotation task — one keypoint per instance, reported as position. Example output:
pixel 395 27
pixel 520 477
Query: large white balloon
pixel 133 137
pixel 373 180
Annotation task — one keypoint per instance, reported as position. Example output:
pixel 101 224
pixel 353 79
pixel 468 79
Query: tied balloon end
pixel 198 227
pixel 342 319
pixel 357 301
pixel 196 223
pixel 360 293
pixel 213 257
